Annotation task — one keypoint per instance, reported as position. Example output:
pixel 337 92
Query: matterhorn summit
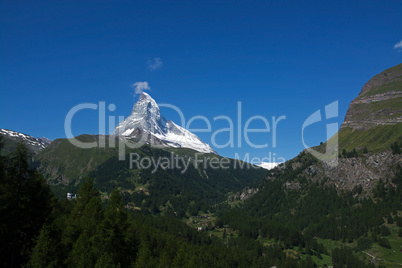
pixel 148 125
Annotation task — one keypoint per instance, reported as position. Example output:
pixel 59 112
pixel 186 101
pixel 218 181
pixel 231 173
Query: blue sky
pixel 278 58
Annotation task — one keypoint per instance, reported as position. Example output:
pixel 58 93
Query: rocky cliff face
pixel 379 102
pixel 364 170
pixel 245 194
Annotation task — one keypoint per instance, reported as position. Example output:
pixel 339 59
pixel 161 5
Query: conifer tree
pixel 25 205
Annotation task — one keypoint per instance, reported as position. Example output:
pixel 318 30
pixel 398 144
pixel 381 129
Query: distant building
pixel 71 196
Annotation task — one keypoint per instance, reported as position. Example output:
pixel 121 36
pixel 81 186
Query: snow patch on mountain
pixel 268 165
pixel 39 143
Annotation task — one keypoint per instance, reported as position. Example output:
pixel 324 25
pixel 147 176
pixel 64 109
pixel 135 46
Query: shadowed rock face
pixel 379 102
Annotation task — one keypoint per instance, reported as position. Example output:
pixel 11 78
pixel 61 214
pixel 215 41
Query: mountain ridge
pixel 12 138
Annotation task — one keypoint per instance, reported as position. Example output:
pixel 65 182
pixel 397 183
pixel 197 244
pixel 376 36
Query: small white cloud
pixel 398 45
pixel 154 64
pixel 139 87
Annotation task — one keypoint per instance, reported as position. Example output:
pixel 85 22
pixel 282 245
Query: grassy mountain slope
pixel 374 118
pixel 378 138
pixel 386 81
pixel 64 164
pixel 183 189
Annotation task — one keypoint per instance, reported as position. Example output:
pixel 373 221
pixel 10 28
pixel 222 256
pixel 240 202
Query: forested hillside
pixel 184 190
pixel 303 215
pixel 90 232
pixel 40 231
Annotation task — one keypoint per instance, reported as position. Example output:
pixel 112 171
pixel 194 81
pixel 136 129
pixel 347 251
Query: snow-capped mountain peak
pixel 268 165
pixel 146 121
pixel 34 144
pixel 146 103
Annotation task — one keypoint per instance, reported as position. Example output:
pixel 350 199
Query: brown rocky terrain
pixel 365 170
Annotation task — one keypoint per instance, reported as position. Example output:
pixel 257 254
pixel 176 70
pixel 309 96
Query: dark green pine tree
pixel 45 252
pixel 87 216
pixel 145 258
pixel 395 147
pixel 112 238
pixel 25 205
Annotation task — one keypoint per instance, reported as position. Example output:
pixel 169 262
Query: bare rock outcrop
pixel 245 194
pixel 364 171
